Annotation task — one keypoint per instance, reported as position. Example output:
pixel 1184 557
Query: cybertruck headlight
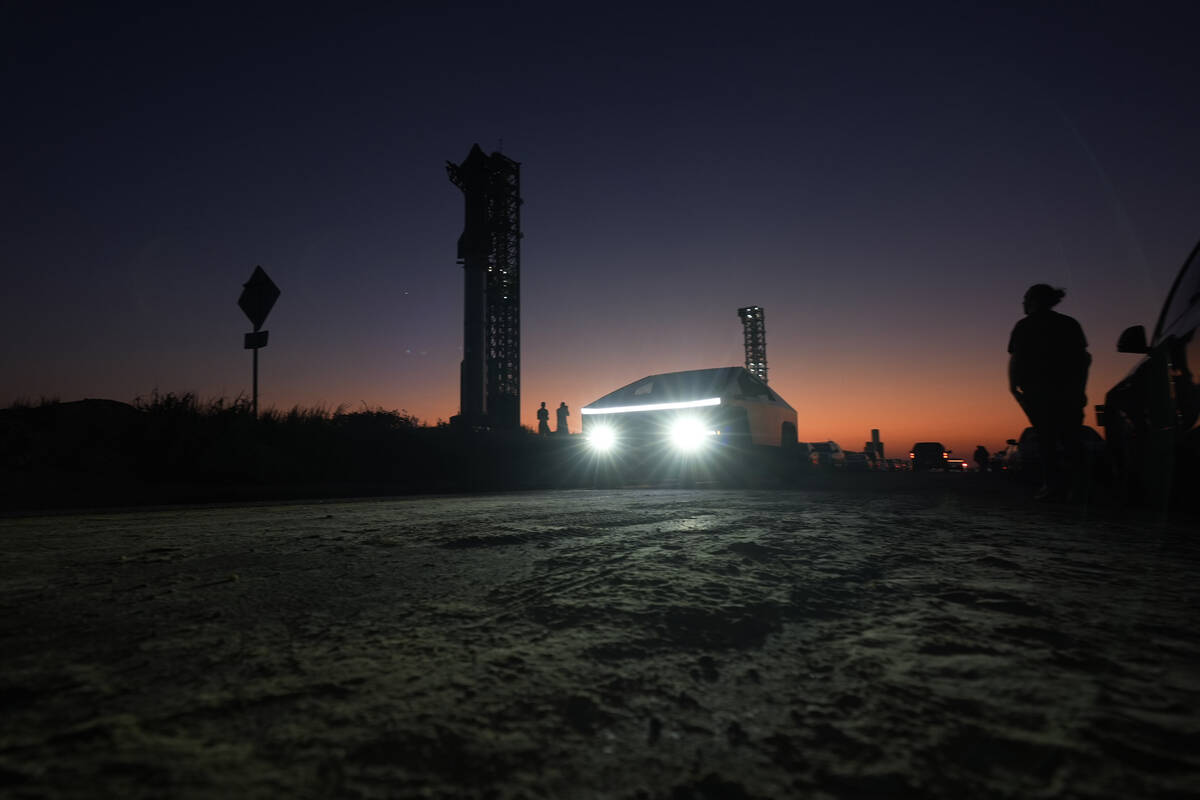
pixel 602 438
pixel 689 434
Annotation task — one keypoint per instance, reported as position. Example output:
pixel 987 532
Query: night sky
pixel 885 182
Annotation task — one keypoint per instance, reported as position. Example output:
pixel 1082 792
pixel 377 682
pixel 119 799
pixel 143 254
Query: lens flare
pixel 689 434
pixel 602 438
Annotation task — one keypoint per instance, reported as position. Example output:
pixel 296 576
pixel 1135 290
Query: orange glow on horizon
pixel 974 409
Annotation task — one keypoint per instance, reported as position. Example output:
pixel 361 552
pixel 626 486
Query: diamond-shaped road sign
pixel 258 297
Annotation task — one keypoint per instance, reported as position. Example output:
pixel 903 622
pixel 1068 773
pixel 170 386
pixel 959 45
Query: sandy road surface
pixel 925 641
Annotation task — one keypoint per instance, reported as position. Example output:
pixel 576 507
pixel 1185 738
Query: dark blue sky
pixel 885 181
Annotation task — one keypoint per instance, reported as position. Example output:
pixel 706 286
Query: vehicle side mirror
pixel 1133 340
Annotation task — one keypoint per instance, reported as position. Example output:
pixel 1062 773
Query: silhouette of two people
pixel 543 416
pixel 1047 374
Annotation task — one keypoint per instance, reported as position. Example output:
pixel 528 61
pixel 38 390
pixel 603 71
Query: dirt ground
pixel 894 635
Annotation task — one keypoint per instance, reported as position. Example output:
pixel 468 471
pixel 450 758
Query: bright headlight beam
pixel 689 434
pixel 709 401
pixel 602 439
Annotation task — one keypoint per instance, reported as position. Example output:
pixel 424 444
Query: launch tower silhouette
pixel 490 251
pixel 754 326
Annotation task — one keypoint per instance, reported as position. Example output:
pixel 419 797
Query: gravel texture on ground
pixel 895 636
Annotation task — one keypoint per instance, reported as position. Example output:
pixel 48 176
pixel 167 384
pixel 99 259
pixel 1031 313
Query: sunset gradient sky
pixel 885 182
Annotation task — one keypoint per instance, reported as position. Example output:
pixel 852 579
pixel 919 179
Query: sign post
pixel 258 297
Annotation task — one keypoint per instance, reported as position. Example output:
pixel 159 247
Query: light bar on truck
pixel 710 401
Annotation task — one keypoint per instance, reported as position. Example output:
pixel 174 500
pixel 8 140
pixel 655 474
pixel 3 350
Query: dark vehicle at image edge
pixel 1150 417
pixel 928 455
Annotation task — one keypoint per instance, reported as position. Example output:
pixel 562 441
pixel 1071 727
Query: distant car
pixel 827 455
pixel 1150 417
pixel 956 465
pixel 1022 454
pixel 928 455
pixel 1008 459
pixel 857 462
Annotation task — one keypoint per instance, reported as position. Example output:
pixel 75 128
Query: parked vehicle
pixel 928 455
pixel 857 462
pixel 827 455
pixel 1150 417
pixel 1021 455
pixel 691 412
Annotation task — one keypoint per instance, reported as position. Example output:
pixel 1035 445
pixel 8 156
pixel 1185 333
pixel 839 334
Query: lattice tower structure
pixel 490 251
pixel 504 293
pixel 754 328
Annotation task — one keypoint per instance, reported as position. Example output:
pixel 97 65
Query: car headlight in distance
pixel 602 438
pixel 689 434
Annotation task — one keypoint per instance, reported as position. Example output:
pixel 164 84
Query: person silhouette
pixel 981 457
pixel 562 414
pixel 1047 374
pixel 543 416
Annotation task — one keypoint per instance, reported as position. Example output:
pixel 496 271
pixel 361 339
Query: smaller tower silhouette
pixel 754 326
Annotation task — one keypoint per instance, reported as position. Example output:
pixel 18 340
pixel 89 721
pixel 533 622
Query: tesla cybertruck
pixel 690 413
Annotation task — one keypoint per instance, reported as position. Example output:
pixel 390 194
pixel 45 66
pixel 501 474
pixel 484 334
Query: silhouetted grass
pixel 179 448
pixel 176 448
